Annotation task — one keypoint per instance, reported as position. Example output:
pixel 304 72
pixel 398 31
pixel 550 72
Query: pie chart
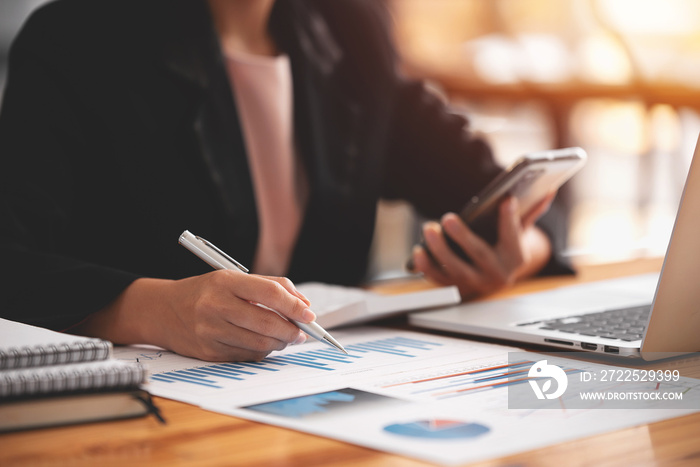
pixel 438 429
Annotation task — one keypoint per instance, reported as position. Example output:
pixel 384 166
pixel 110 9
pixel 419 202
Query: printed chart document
pixel 435 398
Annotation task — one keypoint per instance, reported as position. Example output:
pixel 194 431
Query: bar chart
pixel 374 355
pixel 321 359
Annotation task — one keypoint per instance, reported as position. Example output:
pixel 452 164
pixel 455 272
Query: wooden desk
pixel 196 437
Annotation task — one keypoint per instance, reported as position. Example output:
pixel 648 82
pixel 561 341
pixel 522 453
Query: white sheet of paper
pixel 398 391
pixel 337 305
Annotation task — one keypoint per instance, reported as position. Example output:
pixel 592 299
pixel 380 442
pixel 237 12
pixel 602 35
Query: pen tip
pixel 335 344
pixel 340 347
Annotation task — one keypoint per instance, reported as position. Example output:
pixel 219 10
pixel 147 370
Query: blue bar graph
pixel 214 375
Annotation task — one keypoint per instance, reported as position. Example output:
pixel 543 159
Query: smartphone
pixel 530 178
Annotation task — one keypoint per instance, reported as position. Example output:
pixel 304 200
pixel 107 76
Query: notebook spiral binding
pixel 22 357
pixel 70 379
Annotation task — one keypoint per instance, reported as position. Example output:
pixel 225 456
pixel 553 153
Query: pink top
pixel 263 90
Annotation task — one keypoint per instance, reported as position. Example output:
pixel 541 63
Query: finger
pixel 272 294
pixel 436 274
pixel 510 235
pixel 538 210
pixel 423 263
pixel 481 253
pixel 457 270
pixel 291 288
pixel 220 352
pixel 264 325
pixel 222 338
pixel 255 342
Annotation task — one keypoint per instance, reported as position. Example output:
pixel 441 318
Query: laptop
pixel 649 316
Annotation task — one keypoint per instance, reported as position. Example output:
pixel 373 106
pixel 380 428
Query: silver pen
pixel 217 259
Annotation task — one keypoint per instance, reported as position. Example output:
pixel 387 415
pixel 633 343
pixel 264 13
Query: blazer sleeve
pixel 42 138
pixel 436 163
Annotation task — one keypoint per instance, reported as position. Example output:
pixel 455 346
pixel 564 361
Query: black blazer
pixel 119 130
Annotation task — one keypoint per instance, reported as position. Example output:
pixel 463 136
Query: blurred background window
pixel 12 14
pixel 620 78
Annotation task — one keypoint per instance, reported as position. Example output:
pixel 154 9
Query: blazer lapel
pixel 190 53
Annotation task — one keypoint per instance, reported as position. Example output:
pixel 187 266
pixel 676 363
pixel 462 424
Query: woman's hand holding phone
pixel 521 250
pixel 494 240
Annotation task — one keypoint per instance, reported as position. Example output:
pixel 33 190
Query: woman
pixel 271 128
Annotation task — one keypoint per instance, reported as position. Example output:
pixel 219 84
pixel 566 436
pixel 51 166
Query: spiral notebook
pixel 49 378
pixel 23 345
pixel 72 393
pixel 72 377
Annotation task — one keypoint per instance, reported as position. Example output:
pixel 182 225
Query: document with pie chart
pixel 434 398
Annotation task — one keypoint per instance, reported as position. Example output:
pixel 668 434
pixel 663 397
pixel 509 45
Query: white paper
pixel 14 335
pixel 337 305
pixel 398 391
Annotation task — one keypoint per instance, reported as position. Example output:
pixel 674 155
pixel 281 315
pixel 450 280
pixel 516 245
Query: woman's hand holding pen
pixel 219 318
pixel 213 317
pixel 521 250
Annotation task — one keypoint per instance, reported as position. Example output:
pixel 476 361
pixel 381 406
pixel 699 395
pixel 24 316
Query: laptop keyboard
pixel 626 324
